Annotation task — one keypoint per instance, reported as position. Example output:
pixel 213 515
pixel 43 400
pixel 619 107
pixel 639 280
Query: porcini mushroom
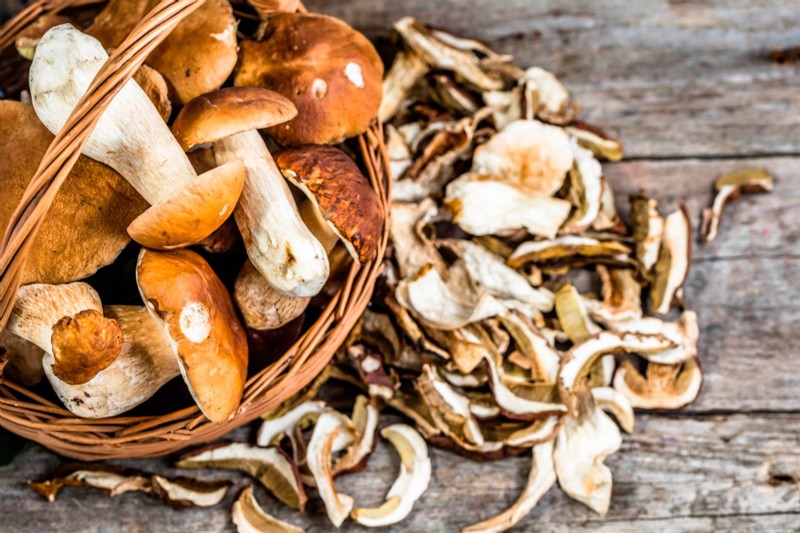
pixel 263 307
pixel 279 245
pixel 323 66
pixel 674 257
pixel 662 386
pixel 182 291
pixel 132 138
pixel 249 517
pixel 335 185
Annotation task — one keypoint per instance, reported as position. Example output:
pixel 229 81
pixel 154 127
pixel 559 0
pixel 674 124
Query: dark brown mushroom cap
pixel 330 71
pixel 84 345
pixel 343 195
pixel 229 111
pixel 182 290
pixel 196 57
pixel 78 236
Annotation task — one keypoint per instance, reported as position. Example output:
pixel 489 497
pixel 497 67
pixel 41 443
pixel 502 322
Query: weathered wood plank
pixel 671 78
pixel 674 474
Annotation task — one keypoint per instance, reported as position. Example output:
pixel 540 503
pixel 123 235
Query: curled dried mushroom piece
pixel 179 493
pixel 110 479
pixel 662 386
pixel 728 188
pixel 248 516
pixel 674 257
pixel 329 429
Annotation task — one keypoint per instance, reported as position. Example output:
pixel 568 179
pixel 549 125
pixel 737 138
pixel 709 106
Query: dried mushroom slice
pixel 249 517
pixel 365 417
pixel 573 316
pixel 566 247
pixel 327 431
pixel 596 140
pixel 506 106
pixel 539 431
pixel 112 480
pixel 487 205
pixel 369 364
pixel 532 346
pixel 414 478
pixel 466 346
pixel 411 329
pixel 273 430
pixel 447 93
pixel 183 492
pixel 622 297
pixel 608 219
pixel 729 187
pixel 512 405
pixel 527 153
pixel 581 447
pixel 663 386
pixel 400 156
pixel 585 189
pixel 409 403
pixel 670 271
pixel 683 333
pixel 270 466
pixel 449 409
pixel 613 401
pixel 648 229
pixel 412 250
pixel 406 70
pixel 547 98
pixel 541 478
pixel 441 54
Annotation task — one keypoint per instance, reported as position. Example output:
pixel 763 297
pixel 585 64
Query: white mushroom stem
pixel 278 243
pixel 130 137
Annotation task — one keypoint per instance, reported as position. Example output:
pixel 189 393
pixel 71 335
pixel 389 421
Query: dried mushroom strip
pixel 729 187
pixel 184 492
pixel 648 228
pixel 674 257
pixel 662 386
pixel 249 517
pixel 110 479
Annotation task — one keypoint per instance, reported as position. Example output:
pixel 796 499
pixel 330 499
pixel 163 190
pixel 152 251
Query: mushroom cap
pixel 325 67
pixel 180 288
pixel 196 57
pixel 263 307
pixel 228 111
pixel 343 195
pixel 83 345
pixel 192 212
pixel 77 236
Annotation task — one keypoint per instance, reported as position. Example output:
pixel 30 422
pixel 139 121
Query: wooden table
pixel 691 90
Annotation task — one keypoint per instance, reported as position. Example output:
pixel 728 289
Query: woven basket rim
pixel 29 415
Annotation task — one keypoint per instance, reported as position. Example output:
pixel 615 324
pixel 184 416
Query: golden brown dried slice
pixel 573 316
pixel 663 386
pixel 449 409
pixel 527 153
pixel 486 205
pixel 581 447
pixel 613 401
pixel 273 430
pixel 566 247
pixel 249 517
pixel 112 480
pixel 539 431
pixel 596 140
pixel 547 98
pixel 533 347
pixel 452 97
pixel 648 229
pixel 540 479
pixel 406 70
pixel 411 483
pixel 270 466
pixel 674 257
pixel 413 250
pixel 513 405
pixel 683 333
pixel 398 151
pixel 182 492
pixel 729 187
pixel 464 345
pixel 365 417
pixel 622 298
pixel 585 190
pixel 330 425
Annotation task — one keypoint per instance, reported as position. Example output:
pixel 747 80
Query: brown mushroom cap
pixel 182 290
pixel 83 345
pixel 78 235
pixel 193 212
pixel 231 110
pixel 196 57
pixel 343 195
pixel 263 307
pixel 330 71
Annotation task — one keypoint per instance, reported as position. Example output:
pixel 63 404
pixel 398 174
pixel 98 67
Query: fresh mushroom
pixel 279 245
pixel 131 137
pixel 182 291
pixel 263 307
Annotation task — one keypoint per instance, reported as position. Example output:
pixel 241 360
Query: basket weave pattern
pixel 31 416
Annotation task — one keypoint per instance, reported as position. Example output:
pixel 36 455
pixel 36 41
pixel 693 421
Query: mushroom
pixel 612 400
pixel 323 66
pixel 249 517
pixel 132 138
pixel 263 307
pixel 413 481
pixel 144 362
pixel 683 333
pixel 365 417
pixel 344 197
pixel 28 38
pixel 278 244
pixel 585 189
pixel 406 70
pixel 728 188
pixel 449 409
pixel 369 364
pixel 412 249
pixel 180 493
pixel 111 479
pixel 648 228
pixel 564 248
pixel 273 430
pixel 270 466
pixel 155 87
pixel 546 97
pixel 595 140
pixel 182 291
pixel 540 479
pixel 267 8
pixel 195 58
pixel 533 346
pixel 622 297
pixel 76 237
pixel 674 257
pixel 573 317
pixel 24 359
pixel 663 386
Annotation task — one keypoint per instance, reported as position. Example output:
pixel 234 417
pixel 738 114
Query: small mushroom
pixel 249 517
pixel 728 188
pixel 663 386
pixel 182 291
pixel 270 466
pixel 413 481
pixel 322 65
pixel 180 493
pixel 344 197
pixel 674 257
pixel 131 137
pixel 262 307
pixel 278 243
pixel 195 58
pixel 529 154
pixel 541 478
pixel 485 205
pixel 648 229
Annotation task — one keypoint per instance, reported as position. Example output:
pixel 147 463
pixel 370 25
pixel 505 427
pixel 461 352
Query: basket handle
pixel 69 142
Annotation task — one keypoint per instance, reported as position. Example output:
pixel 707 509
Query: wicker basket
pixel 36 418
